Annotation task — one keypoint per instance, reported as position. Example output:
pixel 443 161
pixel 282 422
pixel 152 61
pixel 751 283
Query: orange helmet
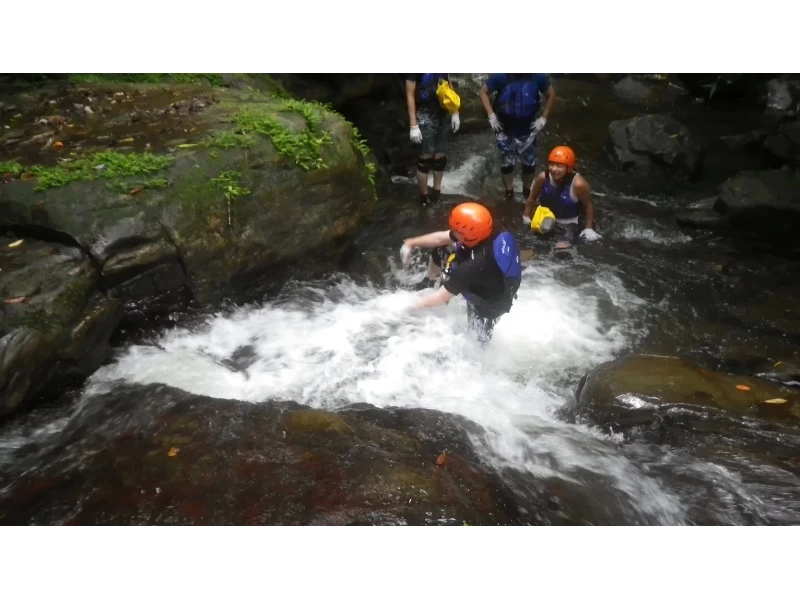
pixel 562 155
pixel 473 221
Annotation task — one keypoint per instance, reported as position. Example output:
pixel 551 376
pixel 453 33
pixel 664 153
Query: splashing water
pixel 330 347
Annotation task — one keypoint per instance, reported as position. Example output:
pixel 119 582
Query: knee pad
pixel 507 169
pixel 439 163
pixel 424 165
pixel 528 169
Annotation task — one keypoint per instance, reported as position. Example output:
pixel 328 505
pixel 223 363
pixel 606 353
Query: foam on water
pixel 329 347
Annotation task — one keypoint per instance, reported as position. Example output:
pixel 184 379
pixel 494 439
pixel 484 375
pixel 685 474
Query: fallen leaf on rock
pixel 127 140
pixel 58 145
pixel 137 190
pixel 742 387
pixel 442 459
pixel 777 364
pixel 777 401
pixel 16 300
pixel 15 244
pixel 173 451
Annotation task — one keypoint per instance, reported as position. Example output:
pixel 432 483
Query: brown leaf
pixel 13 300
pixel 173 451
pixel 137 190
pixel 442 459
pixel 742 387
pixel 58 145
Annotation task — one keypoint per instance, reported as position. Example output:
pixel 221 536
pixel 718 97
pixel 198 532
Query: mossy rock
pixel 158 455
pixel 642 384
pixel 207 186
pixel 53 320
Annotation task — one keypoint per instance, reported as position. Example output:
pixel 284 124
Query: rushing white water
pixel 459 180
pixel 655 234
pixel 329 347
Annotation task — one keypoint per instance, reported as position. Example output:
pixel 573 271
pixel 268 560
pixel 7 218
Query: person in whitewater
pixel 514 117
pixel 430 128
pixel 473 260
pixel 554 204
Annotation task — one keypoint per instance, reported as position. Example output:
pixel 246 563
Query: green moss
pixel 12 168
pixel 213 79
pixel 372 168
pixel 302 148
pixel 274 86
pixel 228 183
pixel 106 164
pixel 128 186
pixel 230 139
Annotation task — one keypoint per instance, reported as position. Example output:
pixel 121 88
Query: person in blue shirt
pixel 514 117
pixel 430 128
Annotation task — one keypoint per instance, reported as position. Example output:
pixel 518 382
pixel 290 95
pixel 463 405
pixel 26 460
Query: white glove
pixel 590 234
pixel 495 124
pixel 538 124
pixel 455 121
pixel 525 220
pixel 416 134
pixel 405 254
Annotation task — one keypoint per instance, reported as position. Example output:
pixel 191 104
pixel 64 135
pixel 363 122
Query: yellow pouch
pixel 448 98
pixel 543 220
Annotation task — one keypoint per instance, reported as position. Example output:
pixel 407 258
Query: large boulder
pixel 157 455
pixel 202 187
pixel 761 204
pixel 644 389
pixel 646 90
pixel 656 144
pixel 154 191
pixel 54 321
pixel 784 144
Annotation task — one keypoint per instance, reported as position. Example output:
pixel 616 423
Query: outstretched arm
pixel 411 104
pixel 430 241
pixel 536 189
pixel 551 100
pixel 584 195
pixel 440 297
pixel 485 100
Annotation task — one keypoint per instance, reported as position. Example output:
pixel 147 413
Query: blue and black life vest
pixel 558 197
pixel 506 255
pixel 518 100
pixel 426 88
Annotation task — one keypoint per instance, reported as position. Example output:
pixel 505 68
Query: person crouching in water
pixel 474 261
pixel 563 191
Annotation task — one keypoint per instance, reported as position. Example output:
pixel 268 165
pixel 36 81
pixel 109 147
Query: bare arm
pixel 411 89
pixel 536 189
pixel 551 100
pixel 486 100
pixel 440 297
pixel 430 241
pixel 584 195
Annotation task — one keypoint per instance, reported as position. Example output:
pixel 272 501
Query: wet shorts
pixel 435 128
pixel 565 233
pixel 481 325
pixel 513 148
